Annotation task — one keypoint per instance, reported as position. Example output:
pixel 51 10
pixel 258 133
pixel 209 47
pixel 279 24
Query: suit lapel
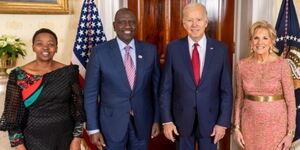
pixel 208 58
pixel 139 64
pixel 185 54
pixel 118 61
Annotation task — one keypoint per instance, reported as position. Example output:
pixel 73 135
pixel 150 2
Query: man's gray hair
pixel 190 5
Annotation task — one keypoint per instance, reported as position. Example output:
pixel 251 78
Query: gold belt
pixel 264 98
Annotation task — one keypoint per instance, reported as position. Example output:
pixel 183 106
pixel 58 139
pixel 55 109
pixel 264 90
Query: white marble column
pixel 4 143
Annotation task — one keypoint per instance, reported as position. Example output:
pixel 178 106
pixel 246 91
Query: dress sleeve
pixel 77 105
pixel 14 111
pixel 289 95
pixel 238 97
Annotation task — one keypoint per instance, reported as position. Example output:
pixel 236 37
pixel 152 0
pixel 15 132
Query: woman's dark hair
pixel 44 30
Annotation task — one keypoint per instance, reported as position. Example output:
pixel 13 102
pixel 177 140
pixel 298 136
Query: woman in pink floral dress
pixel 265 111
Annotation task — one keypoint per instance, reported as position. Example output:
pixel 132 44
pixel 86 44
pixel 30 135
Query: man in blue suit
pixel 124 74
pixel 196 89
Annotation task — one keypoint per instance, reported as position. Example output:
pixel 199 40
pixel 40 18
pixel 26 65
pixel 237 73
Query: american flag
pixel 89 34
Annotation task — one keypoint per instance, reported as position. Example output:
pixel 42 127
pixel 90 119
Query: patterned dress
pixel 264 124
pixel 43 112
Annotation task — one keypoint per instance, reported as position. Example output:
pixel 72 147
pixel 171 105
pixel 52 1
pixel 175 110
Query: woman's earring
pixel 271 50
pixel 251 50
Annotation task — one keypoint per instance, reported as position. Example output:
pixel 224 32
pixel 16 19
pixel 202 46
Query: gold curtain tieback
pixel 264 98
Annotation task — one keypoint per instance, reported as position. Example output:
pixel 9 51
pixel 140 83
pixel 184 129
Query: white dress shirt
pixel 201 49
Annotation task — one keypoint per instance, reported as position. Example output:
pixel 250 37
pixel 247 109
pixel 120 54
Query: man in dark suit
pixel 196 89
pixel 124 74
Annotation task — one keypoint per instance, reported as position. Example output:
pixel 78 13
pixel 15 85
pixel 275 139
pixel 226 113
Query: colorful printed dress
pixel 43 112
pixel 264 124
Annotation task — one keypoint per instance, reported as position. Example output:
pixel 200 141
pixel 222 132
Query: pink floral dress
pixel 264 124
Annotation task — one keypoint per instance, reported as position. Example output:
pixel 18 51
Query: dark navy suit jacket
pixel 106 78
pixel 181 99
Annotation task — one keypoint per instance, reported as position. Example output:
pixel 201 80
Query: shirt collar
pixel 201 42
pixel 122 44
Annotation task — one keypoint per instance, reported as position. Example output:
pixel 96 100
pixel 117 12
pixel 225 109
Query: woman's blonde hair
pixel 262 24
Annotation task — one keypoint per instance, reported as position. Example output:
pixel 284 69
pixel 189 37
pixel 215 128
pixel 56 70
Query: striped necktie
pixel 129 67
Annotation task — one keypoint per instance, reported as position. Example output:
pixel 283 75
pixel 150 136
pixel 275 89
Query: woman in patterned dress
pixel 43 103
pixel 265 111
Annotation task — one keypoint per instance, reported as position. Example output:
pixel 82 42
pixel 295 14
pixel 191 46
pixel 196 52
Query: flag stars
pixel 94 17
pixel 281 38
pixel 82 54
pixel 295 38
pixel 98 31
pixel 90 32
pixel 79 40
pixel 94 9
pixel 78 47
pixel 82 25
pixel 80 32
pixel 291 37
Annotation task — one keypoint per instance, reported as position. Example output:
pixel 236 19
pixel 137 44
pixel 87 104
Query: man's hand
pixel 20 147
pixel 169 129
pixel 155 130
pixel 218 132
pixel 75 144
pixel 97 139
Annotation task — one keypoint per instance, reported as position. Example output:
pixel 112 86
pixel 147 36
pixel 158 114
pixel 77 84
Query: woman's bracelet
pixel 235 127
pixel 291 133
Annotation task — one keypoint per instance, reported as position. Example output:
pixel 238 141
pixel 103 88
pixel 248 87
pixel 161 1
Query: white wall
pixel 65 26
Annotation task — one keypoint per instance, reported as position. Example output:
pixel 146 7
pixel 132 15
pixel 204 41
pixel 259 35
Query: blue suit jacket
pixel 106 78
pixel 181 99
